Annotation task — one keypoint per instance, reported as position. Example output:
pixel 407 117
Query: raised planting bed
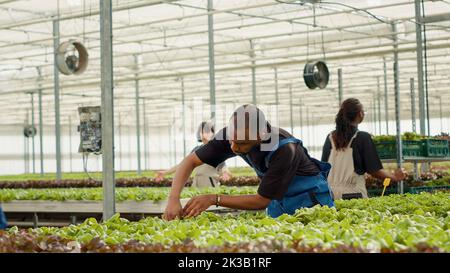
pixel 121 182
pixel 91 207
pixel 122 194
pixel 395 223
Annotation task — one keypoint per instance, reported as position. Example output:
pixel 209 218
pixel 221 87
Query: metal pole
pixel 107 109
pixel 420 73
pixel 413 104
pixel 212 73
pixel 170 146
pixel 184 116
pixel 413 119
pixel 307 124
pixel 130 161
pixel 120 143
pixel 56 87
pixel 41 145
pixel 440 113
pixel 144 102
pixel 26 147
pixel 174 137
pixel 33 158
pixel 252 56
pixel 290 110
pixel 397 105
pixel 386 105
pixel 277 101
pixel 379 105
pixel 372 117
pixel 340 86
pixel 301 118
pixel 138 125
pixel 70 142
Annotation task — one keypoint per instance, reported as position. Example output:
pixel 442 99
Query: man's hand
pixel 173 209
pixel 400 174
pixel 198 204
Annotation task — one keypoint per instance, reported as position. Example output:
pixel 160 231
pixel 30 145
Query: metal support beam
pixel 413 120
pixel 107 87
pixel 379 104
pixel 120 143
pixel 174 138
pixel 290 110
pixel 170 146
pixel 420 65
pixel 307 125
pixel 144 117
pixel 41 144
pixel 184 116
pixel 386 105
pixel 397 105
pixel 26 148
pixel 277 99
pixel 413 104
pixel 56 94
pixel 138 124
pixel 340 86
pixel 70 143
pixel 33 155
pixel 301 118
pixel 372 116
pixel 440 114
pixel 212 73
pixel 252 56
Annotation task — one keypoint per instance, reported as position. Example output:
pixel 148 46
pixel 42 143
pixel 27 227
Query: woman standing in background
pixel 352 153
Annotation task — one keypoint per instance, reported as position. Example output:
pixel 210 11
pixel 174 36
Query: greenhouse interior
pixel 220 126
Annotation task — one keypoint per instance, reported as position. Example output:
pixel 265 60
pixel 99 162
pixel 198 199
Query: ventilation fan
pixel 29 131
pixel 316 75
pixel 72 58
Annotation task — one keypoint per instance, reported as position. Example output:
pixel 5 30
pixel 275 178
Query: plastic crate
pixel 436 147
pixel 388 149
pixel 427 189
pixel 412 148
pixel 377 192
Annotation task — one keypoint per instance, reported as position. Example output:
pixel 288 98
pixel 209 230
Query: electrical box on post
pixel 90 129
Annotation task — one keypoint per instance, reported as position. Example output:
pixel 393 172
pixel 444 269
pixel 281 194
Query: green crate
pixel 427 189
pixel 435 147
pixel 377 192
pixel 388 149
pixel 412 148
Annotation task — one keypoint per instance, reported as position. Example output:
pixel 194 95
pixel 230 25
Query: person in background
pixel 290 178
pixel 204 175
pixel 352 153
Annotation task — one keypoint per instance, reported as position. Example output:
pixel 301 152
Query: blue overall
pixel 303 191
pixel 2 219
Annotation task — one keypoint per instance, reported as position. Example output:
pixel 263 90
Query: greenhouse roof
pixel 161 42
